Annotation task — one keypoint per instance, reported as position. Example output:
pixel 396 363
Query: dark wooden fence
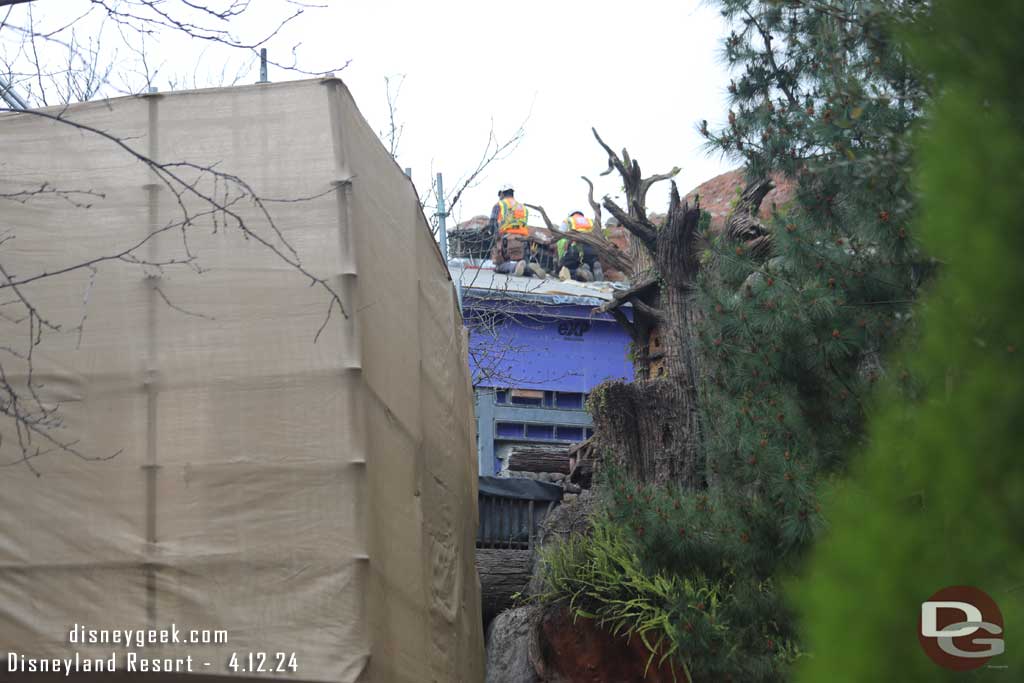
pixel 511 512
pixel 510 523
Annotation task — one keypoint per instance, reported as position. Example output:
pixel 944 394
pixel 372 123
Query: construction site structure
pixel 270 395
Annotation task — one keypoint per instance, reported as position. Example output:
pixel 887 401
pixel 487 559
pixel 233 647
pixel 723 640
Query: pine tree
pixel 800 306
pixel 796 312
pixel 938 499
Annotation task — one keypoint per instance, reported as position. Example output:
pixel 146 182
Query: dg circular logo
pixel 961 628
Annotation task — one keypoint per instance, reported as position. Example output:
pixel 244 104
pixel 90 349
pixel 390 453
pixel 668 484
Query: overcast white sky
pixel 643 73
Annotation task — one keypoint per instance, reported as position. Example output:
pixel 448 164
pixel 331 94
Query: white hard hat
pixel 506 188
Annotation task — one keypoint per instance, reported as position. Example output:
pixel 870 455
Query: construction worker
pixel 578 260
pixel 513 253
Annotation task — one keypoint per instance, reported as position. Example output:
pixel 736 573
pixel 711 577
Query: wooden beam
pixel 623 296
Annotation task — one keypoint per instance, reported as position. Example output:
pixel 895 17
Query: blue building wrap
pixel 535 356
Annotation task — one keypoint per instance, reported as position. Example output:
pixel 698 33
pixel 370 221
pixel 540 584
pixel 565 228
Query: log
pixel 540 460
pixel 632 294
pixel 503 573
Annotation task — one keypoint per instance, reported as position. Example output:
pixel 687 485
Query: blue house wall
pixel 556 352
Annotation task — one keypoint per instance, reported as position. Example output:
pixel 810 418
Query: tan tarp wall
pixel 315 498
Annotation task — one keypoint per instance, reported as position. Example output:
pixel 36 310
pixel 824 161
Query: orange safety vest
pixel 581 223
pixel 512 217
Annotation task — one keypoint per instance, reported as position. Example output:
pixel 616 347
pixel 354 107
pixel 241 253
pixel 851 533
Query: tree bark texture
pixel 503 573
pixel 540 460
pixel 651 427
pixel 743 225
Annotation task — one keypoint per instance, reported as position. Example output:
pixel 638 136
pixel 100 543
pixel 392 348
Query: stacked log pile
pixel 507 572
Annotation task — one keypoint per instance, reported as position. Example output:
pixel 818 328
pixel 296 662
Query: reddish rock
pixel 718 195
pixel 619 236
pixel 581 652
pixel 474 223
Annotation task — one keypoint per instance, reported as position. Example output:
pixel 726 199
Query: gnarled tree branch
pixel 607 250
pixel 634 218
pixel 743 225
pixel 595 207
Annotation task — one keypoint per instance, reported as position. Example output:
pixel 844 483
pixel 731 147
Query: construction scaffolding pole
pixel 442 235
pixel 12 98
pixel 442 216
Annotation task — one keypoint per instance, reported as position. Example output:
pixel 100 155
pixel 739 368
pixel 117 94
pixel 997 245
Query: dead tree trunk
pixel 503 573
pixel 652 425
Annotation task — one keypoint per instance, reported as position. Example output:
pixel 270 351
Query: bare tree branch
pixel 37 423
pixel 608 251
pixel 634 218
pixel 393 136
pixel 595 207
pixel 495 150
pixel 50 64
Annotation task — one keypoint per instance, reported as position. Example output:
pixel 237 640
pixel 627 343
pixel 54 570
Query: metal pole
pixel 442 230
pixel 442 216
pixel 263 66
pixel 11 97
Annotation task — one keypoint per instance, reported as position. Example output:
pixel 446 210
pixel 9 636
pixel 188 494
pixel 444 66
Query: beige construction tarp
pixel 199 460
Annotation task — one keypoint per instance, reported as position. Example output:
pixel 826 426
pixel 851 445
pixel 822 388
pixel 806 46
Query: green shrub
pixel 938 499
pixel 672 568
pixel 599 577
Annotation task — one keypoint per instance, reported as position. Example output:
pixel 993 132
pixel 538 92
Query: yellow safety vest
pixel 512 217
pixel 577 224
pixel 581 223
